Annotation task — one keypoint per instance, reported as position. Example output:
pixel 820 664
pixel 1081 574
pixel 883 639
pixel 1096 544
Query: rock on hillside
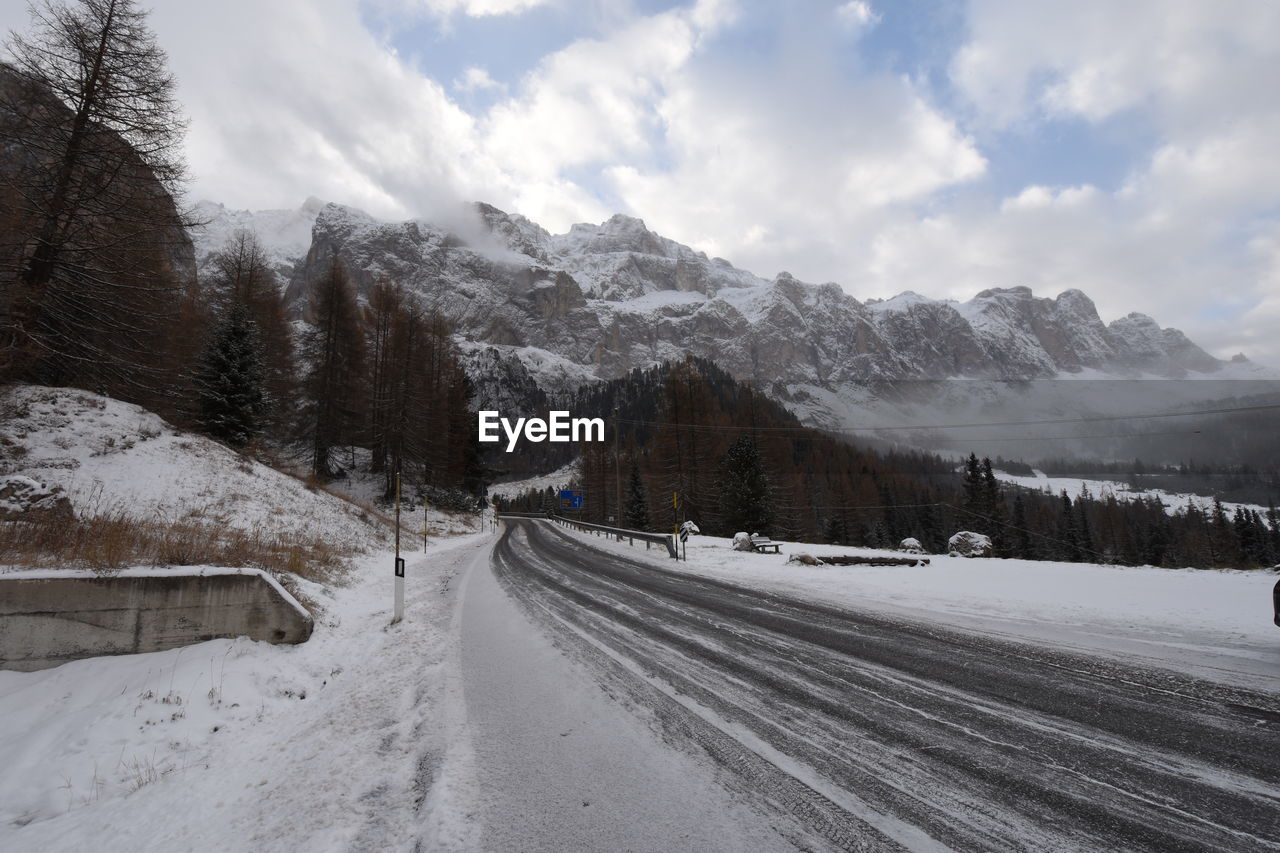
pixel 602 299
pixel 285 235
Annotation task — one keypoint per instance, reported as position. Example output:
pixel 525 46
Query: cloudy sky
pixel 1125 148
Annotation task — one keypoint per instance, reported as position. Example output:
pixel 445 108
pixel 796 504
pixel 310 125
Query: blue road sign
pixel 571 498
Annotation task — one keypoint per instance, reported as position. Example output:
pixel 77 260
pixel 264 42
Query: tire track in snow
pixel 980 744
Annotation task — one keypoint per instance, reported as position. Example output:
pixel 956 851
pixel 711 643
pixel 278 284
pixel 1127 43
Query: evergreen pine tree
pixel 744 489
pixel 974 493
pixel 1156 535
pixel 637 507
pixel 1222 537
pixel 880 537
pixel 993 509
pixel 230 380
pixel 1022 547
pixel 1261 545
pixel 931 529
pixel 241 273
pixel 1273 519
pixel 1068 531
pixel 1084 533
pixel 1247 538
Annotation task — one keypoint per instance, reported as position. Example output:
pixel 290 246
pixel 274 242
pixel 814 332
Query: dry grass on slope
pixel 147 494
pixel 108 542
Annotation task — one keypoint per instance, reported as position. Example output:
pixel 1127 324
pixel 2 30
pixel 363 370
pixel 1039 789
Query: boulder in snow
pixel 969 544
pixel 741 542
pixel 23 499
pixel 911 546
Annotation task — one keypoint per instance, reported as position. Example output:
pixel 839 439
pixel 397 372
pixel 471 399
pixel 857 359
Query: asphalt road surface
pixel 870 732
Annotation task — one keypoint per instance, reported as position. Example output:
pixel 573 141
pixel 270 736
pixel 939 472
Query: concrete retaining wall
pixel 49 618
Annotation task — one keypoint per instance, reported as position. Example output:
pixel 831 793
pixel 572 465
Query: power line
pixel 1076 437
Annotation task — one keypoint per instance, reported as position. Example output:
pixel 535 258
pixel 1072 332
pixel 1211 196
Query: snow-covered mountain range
pixel 602 299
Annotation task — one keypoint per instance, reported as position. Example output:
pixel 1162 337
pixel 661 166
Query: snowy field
pixel 238 745
pixel 1214 624
pixel 1074 486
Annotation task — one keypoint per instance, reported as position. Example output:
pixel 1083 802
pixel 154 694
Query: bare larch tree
pixel 93 251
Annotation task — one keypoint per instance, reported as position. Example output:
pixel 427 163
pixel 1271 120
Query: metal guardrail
pixel 668 540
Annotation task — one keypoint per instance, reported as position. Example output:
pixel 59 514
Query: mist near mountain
pixel 542 314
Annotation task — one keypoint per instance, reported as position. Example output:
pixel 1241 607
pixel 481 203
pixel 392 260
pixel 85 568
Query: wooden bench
pixel 762 544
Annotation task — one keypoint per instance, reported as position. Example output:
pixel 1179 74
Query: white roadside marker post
pixel 399 608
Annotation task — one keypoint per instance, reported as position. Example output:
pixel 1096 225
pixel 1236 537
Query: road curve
pixel 871 732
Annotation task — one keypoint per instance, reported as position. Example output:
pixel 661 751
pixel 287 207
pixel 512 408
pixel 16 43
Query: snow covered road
pixel 562 767
pixel 852 730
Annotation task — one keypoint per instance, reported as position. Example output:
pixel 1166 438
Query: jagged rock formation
pixel 602 299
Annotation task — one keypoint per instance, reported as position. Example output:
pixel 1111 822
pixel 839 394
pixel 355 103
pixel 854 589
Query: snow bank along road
pixel 863 731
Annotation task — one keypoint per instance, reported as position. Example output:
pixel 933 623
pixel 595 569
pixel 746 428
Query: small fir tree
pixel 974 492
pixel 1068 531
pixel 1273 521
pixel 637 508
pixel 993 509
pixel 230 380
pixel 744 493
pixel 1023 548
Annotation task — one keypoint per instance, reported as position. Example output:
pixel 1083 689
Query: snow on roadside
pixel 114 457
pixel 344 742
pixel 1214 624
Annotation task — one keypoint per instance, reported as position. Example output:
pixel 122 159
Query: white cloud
pixel 1192 63
pixel 1173 240
pixel 476 79
pixel 774 178
pixel 1129 250
pixel 480 8
pixel 856 14
pixel 593 104
pixel 1258 324
pixel 307 102
pixel 786 164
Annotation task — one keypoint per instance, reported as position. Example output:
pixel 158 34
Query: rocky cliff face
pixel 602 299
pixel 132 196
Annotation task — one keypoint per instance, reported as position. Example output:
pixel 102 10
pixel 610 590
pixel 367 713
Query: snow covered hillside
pixel 1074 486
pixel 557 480
pixel 117 458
